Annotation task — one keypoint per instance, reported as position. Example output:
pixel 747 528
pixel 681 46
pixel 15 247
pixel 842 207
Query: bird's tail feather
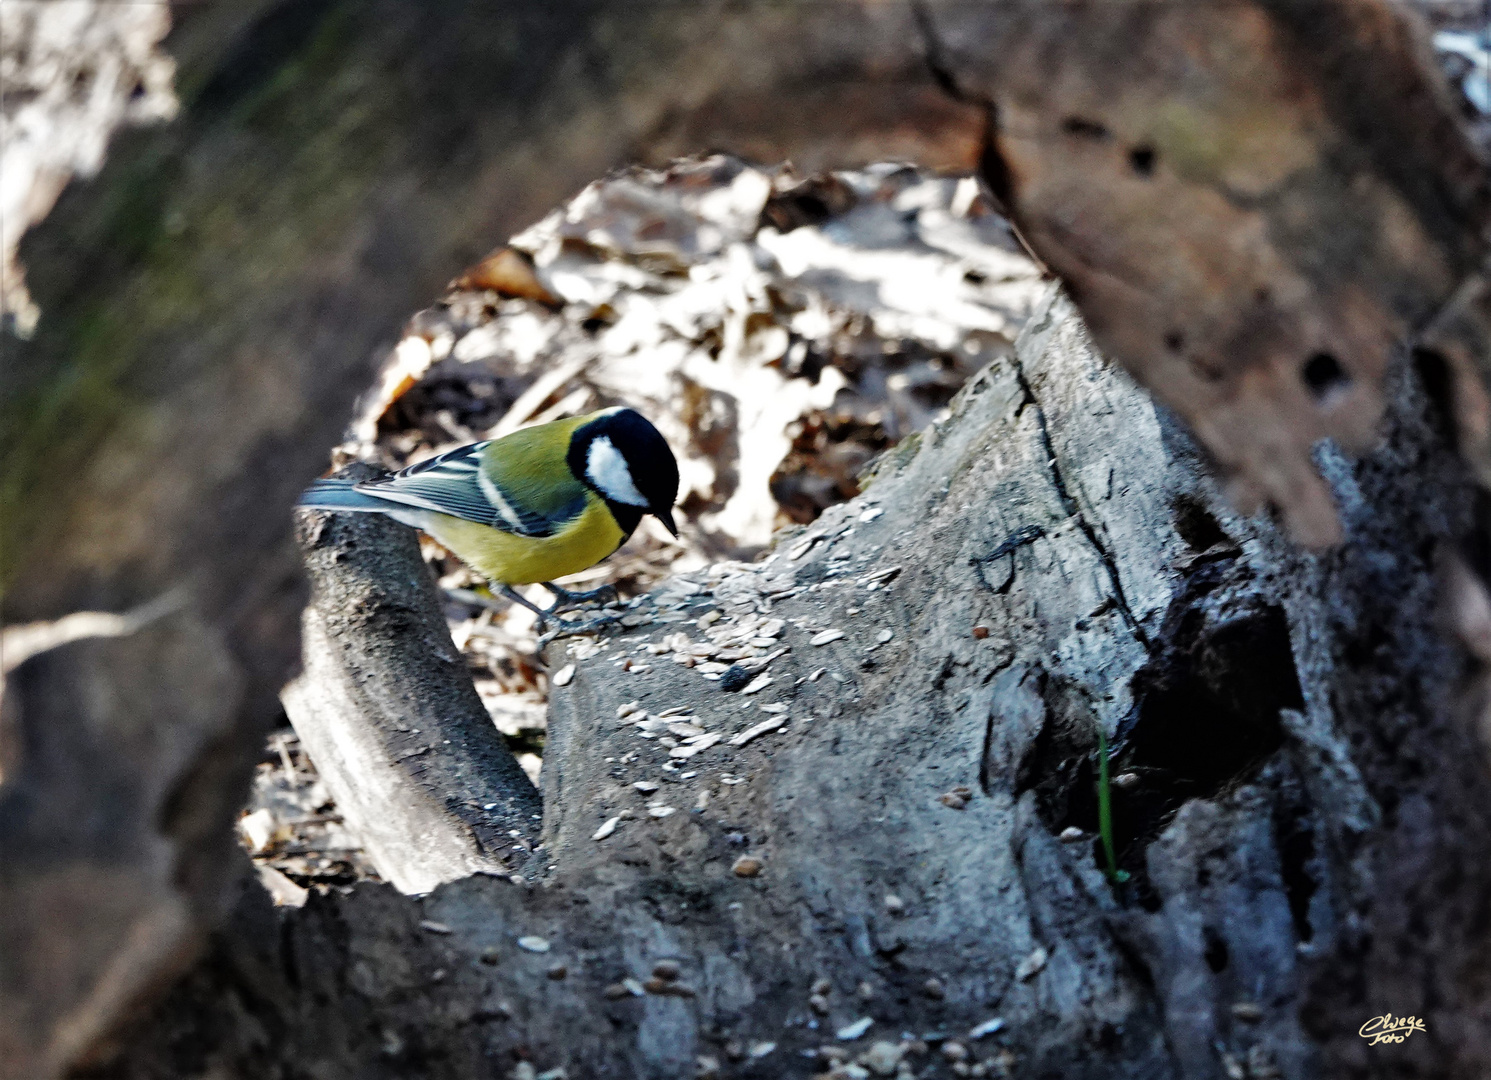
pixel 339 495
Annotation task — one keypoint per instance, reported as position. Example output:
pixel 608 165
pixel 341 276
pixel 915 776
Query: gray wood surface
pixel 386 709
pixel 1295 858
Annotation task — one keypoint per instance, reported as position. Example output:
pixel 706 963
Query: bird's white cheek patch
pixel 608 471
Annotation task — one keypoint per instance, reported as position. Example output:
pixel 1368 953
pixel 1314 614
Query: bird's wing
pixel 456 483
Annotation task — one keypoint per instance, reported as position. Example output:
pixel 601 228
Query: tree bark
pixel 386 709
pixel 214 299
pixel 1306 840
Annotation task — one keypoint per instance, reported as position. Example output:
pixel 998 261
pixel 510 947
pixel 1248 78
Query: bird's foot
pixel 575 629
pixel 564 600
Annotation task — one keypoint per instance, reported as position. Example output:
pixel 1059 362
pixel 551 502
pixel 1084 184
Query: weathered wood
pixel 1297 866
pixel 212 303
pixel 386 709
pixel 1164 159
pixel 213 300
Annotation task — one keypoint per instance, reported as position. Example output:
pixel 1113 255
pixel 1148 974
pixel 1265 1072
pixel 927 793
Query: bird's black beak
pixel 665 515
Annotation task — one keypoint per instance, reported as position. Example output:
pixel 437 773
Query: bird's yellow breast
pixel 520 560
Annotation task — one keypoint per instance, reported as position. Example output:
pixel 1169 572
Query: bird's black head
pixel 624 458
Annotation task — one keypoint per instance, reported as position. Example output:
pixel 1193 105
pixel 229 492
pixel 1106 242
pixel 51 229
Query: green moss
pixel 891 461
pixel 190 221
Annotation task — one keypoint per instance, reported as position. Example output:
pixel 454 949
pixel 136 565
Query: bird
pixel 537 504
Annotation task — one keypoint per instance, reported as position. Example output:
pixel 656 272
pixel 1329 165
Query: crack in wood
pixel 1074 511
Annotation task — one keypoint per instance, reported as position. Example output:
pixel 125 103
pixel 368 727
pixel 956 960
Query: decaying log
pixel 216 296
pixel 1051 560
pixel 385 707
pixel 1170 205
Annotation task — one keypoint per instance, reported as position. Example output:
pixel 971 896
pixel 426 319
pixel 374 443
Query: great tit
pixel 542 502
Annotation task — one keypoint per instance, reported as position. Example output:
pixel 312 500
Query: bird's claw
pixel 575 629
pixel 564 599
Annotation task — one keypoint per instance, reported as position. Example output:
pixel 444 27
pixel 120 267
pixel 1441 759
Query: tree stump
pixel 898 831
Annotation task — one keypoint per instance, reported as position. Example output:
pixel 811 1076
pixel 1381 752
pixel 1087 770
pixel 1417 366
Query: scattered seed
pixel 850 1032
pixel 731 780
pixel 1071 835
pixel 760 1050
pixel 628 708
pixel 746 866
pixel 1032 964
pixel 934 989
pixel 871 514
pixel 615 991
pixel 709 618
pixel 667 969
pixel 981 632
pixel 894 905
pixel 774 707
pixel 1247 1010
pixel 882 576
pixel 533 944
pixel 490 955
pixel 884 636
pixel 825 636
pixel 883 1058
pixel 646 787
pixel 661 811
pixel 762 728
pixel 701 743
pixel 676 710
pixel 684 730
pixel 606 829
pixel 799 550
pixel 865 990
pixel 817 674
pixel 988 1027
pixel 957 798
pixel 563 676
pixel 759 683
pixel 1126 780
pixel 954 1050
pixel 822 986
pixel 758 662
pixel 434 927
pixel 633 987
pixel 557 972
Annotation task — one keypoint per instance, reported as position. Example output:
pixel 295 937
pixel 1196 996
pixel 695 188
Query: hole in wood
pixel 1323 373
pixel 1221 656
